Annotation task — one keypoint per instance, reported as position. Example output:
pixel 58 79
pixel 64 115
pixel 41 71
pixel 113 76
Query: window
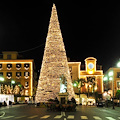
pixel 118 85
pixel 9 66
pixel 1 74
pixel 8 57
pixel 26 75
pixel 26 85
pixel 26 66
pixel 70 68
pixel 18 75
pixel 9 75
pixel 118 74
pixel 18 66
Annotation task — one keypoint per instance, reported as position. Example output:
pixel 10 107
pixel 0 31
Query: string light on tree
pixel 54 64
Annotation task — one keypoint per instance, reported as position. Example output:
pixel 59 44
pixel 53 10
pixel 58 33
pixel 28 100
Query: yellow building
pixel 74 68
pixel 92 76
pixel 17 74
pixel 92 72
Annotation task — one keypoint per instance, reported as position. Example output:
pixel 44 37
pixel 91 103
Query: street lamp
pixel 77 84
pixel 1 79
pixel 105 78
pixel 12 82
pixel 111 77
pixel 118 64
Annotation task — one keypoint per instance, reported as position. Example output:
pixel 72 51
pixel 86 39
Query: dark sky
pixel 89 29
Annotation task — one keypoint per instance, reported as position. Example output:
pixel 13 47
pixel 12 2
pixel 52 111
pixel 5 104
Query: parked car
pixel 100 103
pixel 91 102
pixel 30 103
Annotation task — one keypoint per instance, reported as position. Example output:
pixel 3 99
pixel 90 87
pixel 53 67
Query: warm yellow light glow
pixel 90 71
pixel 105 94
pixel 91 101
pixel 95 88
pixel 90 63
pixel 31 71
pixel 13 62
pixel 90 85
pixel 105 78
pixel 31 78
pixel 110 92
pixel 110 78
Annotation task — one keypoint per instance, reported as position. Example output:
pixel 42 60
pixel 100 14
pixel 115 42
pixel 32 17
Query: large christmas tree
pixel 54 64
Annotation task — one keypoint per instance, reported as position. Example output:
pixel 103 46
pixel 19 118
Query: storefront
pixel 6 98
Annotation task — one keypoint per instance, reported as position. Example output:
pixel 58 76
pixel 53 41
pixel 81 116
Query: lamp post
pixel 111 77
pixel 12 82
pixel 77 85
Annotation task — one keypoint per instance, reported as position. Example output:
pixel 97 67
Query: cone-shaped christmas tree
pixel 54 64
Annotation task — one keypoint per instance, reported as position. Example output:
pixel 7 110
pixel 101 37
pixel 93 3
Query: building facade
pixel 16 74
pixel 92 74
pixel 112 81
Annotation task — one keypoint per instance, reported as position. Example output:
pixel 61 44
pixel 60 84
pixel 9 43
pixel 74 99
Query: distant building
pixel 17 75
pixel 112 80
pixel 91 73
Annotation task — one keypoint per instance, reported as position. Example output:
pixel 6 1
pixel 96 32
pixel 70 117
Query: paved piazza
pixel 28 112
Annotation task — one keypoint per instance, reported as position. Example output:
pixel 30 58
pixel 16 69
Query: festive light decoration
pixel 54 64
pixel 16 90
pixel 7 89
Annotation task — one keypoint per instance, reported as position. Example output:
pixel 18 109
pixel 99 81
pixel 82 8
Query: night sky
pixel 89 29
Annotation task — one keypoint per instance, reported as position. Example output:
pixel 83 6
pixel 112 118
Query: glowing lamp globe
pixel 118 64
